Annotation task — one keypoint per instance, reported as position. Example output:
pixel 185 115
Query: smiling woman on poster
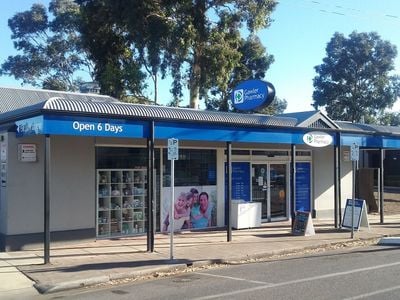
pixel 181 213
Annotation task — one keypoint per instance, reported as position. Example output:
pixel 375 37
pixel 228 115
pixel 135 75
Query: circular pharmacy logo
pixel 317 139
pixel 238 96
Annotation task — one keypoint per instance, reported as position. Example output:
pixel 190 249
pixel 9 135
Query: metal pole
pixel 47 200
pixel 382 187
pixel 171 213
pixel 149 204
pixel 153 190
pixel 379 188
pixel 150 191
pixel 353 198
pixel 229 196
pixel 339 171
pixel 335 183
pixel 293 183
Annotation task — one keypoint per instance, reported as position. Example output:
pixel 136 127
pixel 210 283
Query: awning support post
pixel 47 200
pixel 229 191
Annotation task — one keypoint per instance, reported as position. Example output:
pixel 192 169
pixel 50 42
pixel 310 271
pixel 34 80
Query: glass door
pixel 277 187
pixel 269 184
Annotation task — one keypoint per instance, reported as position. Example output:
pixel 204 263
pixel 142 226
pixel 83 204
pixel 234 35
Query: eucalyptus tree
pixel 195 41
pixel 49 52
pixel 208 34
pixel 253 64
pixel 355 81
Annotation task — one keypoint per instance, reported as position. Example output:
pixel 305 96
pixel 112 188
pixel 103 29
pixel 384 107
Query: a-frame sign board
pixel 360 214
pixel 303 224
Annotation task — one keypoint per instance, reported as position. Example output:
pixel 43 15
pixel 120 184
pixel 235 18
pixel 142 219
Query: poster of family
pixel 194 207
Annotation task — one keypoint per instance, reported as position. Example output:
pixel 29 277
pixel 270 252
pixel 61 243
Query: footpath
pixel 24 274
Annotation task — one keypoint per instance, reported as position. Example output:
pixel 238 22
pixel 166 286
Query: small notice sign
pixel 27 152
pixel 360 214
pixel 303 224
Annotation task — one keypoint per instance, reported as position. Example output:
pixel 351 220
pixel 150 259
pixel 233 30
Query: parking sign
pixel 173 149
pixel 355 152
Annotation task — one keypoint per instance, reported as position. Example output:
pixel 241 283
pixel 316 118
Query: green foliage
pixel 50 54
pixel 277 107
pixel 253 64
pixel 389 118
pixel 115 34
pixel 354 81
pixel 196 42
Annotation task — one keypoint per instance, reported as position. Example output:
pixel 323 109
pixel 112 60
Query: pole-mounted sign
pixel 173 149
pixel 173 154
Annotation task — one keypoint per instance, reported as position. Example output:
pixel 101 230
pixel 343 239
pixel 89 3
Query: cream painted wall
pixel 25 188
pixel 72 192
pixel 323 184
pixel 324 196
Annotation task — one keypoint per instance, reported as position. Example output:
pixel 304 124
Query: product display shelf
pixel 121 202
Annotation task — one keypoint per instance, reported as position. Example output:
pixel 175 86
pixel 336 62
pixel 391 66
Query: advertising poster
pixel 195 207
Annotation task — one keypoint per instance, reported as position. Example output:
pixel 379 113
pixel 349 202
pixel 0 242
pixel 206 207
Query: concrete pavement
pixel 76 265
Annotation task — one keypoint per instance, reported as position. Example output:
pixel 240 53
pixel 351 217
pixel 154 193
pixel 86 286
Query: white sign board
pixel 360 217
pixel 317 139
pixel 173 149
pixel 354 152
pixel 27 152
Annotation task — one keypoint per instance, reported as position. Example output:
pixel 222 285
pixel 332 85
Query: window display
pixel 121 202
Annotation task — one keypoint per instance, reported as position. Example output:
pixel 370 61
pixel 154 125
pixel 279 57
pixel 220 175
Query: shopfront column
pixel 47 200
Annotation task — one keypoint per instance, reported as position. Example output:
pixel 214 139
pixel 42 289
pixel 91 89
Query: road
pixel 364 273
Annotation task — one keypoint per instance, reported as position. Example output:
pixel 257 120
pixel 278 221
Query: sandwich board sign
pixel 303 224
pixel 360 214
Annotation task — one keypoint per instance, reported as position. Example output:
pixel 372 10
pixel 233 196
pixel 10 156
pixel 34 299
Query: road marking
pixel 374 293
pixel 267 286
pixel 235 278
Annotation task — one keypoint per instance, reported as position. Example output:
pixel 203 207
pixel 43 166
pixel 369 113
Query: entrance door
pixel 269 187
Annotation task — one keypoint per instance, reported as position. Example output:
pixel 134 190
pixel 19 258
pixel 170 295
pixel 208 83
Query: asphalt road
pixel 365 273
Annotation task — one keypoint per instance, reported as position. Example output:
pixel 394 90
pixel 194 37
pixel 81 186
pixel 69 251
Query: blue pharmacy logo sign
pixel 252 94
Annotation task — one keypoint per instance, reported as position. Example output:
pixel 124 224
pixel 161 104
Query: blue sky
pixel 297 38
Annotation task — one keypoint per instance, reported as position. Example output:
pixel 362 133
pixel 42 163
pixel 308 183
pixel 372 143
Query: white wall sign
pixel 27 152
pixel 3 152
pixel 346 155
pixel 317 139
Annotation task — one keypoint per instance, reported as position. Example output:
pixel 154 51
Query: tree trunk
pixel 195 86
pixel 199 21
pixel 155 89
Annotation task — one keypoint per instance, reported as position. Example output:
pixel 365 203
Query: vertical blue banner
pixel 240 183
pixel 303 186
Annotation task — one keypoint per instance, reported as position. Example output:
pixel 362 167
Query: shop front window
pixel 121 158
pixel 122 185
pixel 194 167
pixel 195 190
